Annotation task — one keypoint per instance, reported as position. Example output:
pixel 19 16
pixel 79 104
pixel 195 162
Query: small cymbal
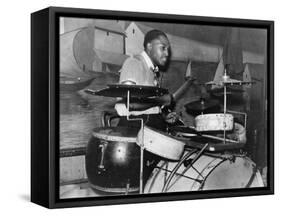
pixel 202 105
pixel 226 80
pixel 229 90
pixel 235 92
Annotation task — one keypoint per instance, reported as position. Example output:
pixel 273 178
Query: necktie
pixel 155 71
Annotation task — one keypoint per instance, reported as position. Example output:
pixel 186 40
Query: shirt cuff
pixel 123 111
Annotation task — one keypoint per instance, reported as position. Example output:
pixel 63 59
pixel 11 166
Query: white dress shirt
pixel 134 70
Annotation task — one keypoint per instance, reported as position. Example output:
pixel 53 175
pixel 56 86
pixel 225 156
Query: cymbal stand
pixel 141 143
pixel 224 77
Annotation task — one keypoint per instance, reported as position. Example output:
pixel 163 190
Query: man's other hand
pixel 171 117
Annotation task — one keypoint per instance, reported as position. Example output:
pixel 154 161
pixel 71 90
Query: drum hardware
pixel 185 157
pixel 225 81
pixel 102 147
pixel 141 141
pixel 127 187
pixel 187 162
pixel 232 158
pixel 176 174
pixel 107 117
pixel 255 170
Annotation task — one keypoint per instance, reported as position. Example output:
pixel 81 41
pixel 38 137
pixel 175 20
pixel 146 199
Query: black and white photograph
pixel 140 107
pixel 154 107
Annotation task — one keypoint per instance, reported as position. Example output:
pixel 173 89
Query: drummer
pixel 143 69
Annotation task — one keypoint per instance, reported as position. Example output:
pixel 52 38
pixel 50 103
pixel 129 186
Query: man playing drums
pixel 143 69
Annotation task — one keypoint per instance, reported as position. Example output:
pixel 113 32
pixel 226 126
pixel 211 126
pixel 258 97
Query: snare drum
pixel 214 122
pixel 209 172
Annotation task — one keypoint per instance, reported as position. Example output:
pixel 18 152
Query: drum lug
pixel 230 157
pixel 102 146
pixel 233 158
pixel 187 162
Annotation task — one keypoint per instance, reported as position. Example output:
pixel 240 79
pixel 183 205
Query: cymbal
pixel 226 80
pixel 202 105
pixel 74 84
pixel 229 90
pixel 136 91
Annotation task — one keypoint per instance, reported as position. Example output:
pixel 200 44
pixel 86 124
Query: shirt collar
pixel 148 61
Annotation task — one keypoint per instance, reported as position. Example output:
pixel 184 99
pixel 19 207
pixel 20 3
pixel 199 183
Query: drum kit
pixel 118 159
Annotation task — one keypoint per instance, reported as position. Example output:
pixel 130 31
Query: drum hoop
pixel 213 168
pixel 210 168
pixel 115 190
pixel 159 169
pixel 223 160
pixel 165 156
pixel 226 115
pixel 178 144
pixel 114 137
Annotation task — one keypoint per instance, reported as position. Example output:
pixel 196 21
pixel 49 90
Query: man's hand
pixel 165 100
pixel 171 117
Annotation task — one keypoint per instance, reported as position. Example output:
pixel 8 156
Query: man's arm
pixel 146 103
pixel 131 71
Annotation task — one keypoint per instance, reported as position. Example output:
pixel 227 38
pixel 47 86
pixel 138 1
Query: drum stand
pixel 224 105
pixel 141 142
pixel 225 78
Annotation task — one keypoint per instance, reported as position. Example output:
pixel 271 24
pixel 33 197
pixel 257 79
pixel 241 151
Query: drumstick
pixel 210 136
pixel 218 138
pixel 182 88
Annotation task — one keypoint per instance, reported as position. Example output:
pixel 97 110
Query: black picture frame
pixel 45 152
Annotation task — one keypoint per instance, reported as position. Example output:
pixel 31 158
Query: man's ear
pixel 149 46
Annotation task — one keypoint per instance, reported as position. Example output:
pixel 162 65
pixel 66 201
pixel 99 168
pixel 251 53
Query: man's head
pixel 157 47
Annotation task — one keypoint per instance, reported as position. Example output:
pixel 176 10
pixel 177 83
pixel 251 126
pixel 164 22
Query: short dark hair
pixel 151 35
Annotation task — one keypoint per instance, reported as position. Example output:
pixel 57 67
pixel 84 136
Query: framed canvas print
pixel 138 107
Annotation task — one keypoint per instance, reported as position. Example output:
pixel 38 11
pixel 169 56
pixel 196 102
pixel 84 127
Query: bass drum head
pixel 112 160
pixel 207 173
pixel 232 174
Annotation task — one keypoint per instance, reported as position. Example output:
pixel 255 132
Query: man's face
pixel 158 50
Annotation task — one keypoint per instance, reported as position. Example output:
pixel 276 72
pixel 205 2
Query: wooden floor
pixel 81 191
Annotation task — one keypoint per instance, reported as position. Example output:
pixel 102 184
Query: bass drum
pixel 209 172
pixel 113 158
